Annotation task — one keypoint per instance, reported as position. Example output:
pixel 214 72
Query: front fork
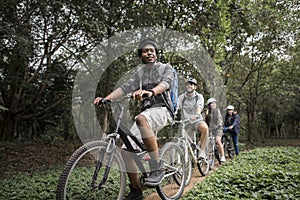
pixel 109 150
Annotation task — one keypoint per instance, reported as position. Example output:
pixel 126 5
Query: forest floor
pixel 30 158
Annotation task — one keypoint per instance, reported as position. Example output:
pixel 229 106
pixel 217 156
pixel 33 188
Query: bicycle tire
pixel 211 154
pixel 188 170
pixel 217 154
pixel 202 164
pixel 76 179
pixel 230 148
pixel 188 162
pixel 173 184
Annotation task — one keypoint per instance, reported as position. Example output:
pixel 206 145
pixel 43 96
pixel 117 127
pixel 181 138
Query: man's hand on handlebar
pixel 140 94
pixel 100 101
pixel 194 117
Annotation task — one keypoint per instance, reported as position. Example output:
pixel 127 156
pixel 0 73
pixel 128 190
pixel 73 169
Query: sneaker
pixel 134 194
pixel 202 155
pixel 222 159
pixel 156 175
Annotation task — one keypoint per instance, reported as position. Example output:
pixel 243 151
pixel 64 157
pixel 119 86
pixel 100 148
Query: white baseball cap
pixel 230 107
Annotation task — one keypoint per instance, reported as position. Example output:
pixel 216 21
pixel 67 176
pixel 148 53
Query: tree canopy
pixel 254 44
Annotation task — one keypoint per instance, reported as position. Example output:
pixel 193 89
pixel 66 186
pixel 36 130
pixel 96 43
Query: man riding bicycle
pixel 191 104
pixel 153 79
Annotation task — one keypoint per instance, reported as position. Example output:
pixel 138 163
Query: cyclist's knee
pixel 141 120
pixel 203 128
pixel 218 139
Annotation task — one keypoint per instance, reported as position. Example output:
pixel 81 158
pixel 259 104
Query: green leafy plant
pixel 263 173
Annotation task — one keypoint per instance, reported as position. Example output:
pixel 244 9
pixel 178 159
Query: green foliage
pixel 38 186
pixel 263 173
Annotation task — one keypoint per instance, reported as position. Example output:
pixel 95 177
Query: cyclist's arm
pixel 200 105
pixel 160 88
pixel 219 118
pixel 179 106
pixel 236 121
pixel 198 113
pixel 113 95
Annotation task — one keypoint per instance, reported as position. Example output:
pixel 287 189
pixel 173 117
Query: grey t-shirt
pixel 190 105
pixel 147 77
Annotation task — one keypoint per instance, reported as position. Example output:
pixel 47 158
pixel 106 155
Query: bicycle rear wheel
pixel 82 176
pixel 173 183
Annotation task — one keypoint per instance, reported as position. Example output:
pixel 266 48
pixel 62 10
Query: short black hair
pixel 144 43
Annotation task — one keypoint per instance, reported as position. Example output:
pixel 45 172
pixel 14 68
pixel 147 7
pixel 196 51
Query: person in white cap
pixel 232 124
pixel 213 118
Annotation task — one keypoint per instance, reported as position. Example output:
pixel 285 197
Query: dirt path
pixel 196 177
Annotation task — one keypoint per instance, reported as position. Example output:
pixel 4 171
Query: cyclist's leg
pixel 132 173
pixel 148 136
pixel 235 137
pixel 203 129
pixel 220 146
pixel 131 167
pixel 148 122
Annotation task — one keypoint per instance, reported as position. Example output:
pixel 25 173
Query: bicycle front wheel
pixel 188 169
pixel 188 161
pixel 230 148
pixel 82 176
pixel 173 183
pixel 211 154
pixel 202 164
pixel 217 154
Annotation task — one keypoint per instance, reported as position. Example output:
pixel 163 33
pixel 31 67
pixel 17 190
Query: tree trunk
pixel 250 118
pixel 8 126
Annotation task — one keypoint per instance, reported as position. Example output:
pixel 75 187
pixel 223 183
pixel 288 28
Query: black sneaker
pixel 156 175
pixel 134 194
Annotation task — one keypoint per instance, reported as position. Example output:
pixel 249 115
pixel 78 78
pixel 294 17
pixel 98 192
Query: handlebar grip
pixel 144 96
pixel 105 101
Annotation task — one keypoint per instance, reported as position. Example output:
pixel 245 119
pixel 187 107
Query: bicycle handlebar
pixel 122 98
pixel 184 121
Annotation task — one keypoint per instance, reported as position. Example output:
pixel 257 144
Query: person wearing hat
pixel 232 124
pixel 154 80
pixel 191 104
pixel 213 118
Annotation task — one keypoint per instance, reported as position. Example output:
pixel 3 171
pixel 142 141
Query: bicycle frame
pixel 211 141
pixel 190 145
pixel 112 139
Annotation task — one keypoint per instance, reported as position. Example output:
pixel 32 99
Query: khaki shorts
pixel 157 118
pixel 218 133
pixel 193 126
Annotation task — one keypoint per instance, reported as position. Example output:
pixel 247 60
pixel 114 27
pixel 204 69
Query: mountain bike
pixel 227 143
pixel 191 151
pixel 97 170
